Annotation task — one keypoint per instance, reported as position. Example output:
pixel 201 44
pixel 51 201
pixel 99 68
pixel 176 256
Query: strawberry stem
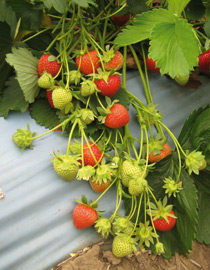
pixel 137 216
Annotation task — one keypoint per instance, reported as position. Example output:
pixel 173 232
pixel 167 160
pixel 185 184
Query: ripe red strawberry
pixel 84 216
pixel 99 187
pixel 204 61
pixel 88 157
pixel 110 88
pixel 49 98
pixel 118 117
pixel 162 225
pixel 86 64
pixel 120 20
pixel 163 153
pixel 151 65
pixel 113 60
pixel 48 63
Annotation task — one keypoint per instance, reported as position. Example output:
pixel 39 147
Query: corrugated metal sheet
pixel 36 229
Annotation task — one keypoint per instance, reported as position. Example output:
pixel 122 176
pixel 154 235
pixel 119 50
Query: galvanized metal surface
pixel 36 229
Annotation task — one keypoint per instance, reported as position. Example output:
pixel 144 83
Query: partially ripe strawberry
pixel 151 65
pixel 204 61
pixel 162 225
pixel 163 153
pixel 84 216
pixel 85 64
pixel 118 117
pixel 99 187
pixel 113 61
pixel 61 97
pixel 110 87
pixel 89 158
pixel 48 63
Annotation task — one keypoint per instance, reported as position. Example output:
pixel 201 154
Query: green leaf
pixel 142 27
pixel 8 15
pixel 84 3
pixel 195 10
pixel 202 182
pixel 5 47
pixel 59 5
pixel 207 28
pixel 184 137
pixel 136 6
pixel 13 99
pixel 26 67
pixel 31 17
pixel 174 47
pixel 177 6
pixel 123 97
pixel 186 211
pixel 44 114
pixel 200 134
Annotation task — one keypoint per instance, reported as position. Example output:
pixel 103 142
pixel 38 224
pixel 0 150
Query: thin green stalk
pixel 70 136
pixel 124 67
pixel 137 216
pixel 38 33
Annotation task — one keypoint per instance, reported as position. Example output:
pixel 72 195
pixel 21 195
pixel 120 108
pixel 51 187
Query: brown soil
pixel 98 257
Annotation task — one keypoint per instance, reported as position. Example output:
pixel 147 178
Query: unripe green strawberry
pixel 88 88
pixel 123 246
pixel 128 170
pixel 46 80
pixel 87 116
pixel 137 186
pixel 182 80
pixel 61 97
pixel 75 148
pixel 66 166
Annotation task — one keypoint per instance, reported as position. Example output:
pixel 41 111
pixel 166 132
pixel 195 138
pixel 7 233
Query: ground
pixel 98 257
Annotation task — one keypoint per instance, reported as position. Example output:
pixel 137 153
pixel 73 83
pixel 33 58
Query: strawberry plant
pixel 64 70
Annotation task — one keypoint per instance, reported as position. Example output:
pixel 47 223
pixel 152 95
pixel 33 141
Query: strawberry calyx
pixel 104 75
pixel 159 248
pixel 109 54
pixel 103 226
pixel 145 234
pixel 122 225
pixel 157 144
pixel 85 172
pixel 23 138
pixel 104 173
pixel 194 161
pixel 172 187
pixel 86 115
pixel 161 210
pixel 150 114
pixel 74 77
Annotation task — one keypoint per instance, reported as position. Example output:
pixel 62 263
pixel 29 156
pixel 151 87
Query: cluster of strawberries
pixel 106 82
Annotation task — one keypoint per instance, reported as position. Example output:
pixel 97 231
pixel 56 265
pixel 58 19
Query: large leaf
pixel 13 99
pixel 44 114
pixel 8 15
pixel 186 211
pixel 31 17
pixel 177 6
pixel 184 137
pixel 26 67
pixel 59 5
pixel 202 182
pixel 200 134
pixel 142 26
pixel 174 47
pixel 195 10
